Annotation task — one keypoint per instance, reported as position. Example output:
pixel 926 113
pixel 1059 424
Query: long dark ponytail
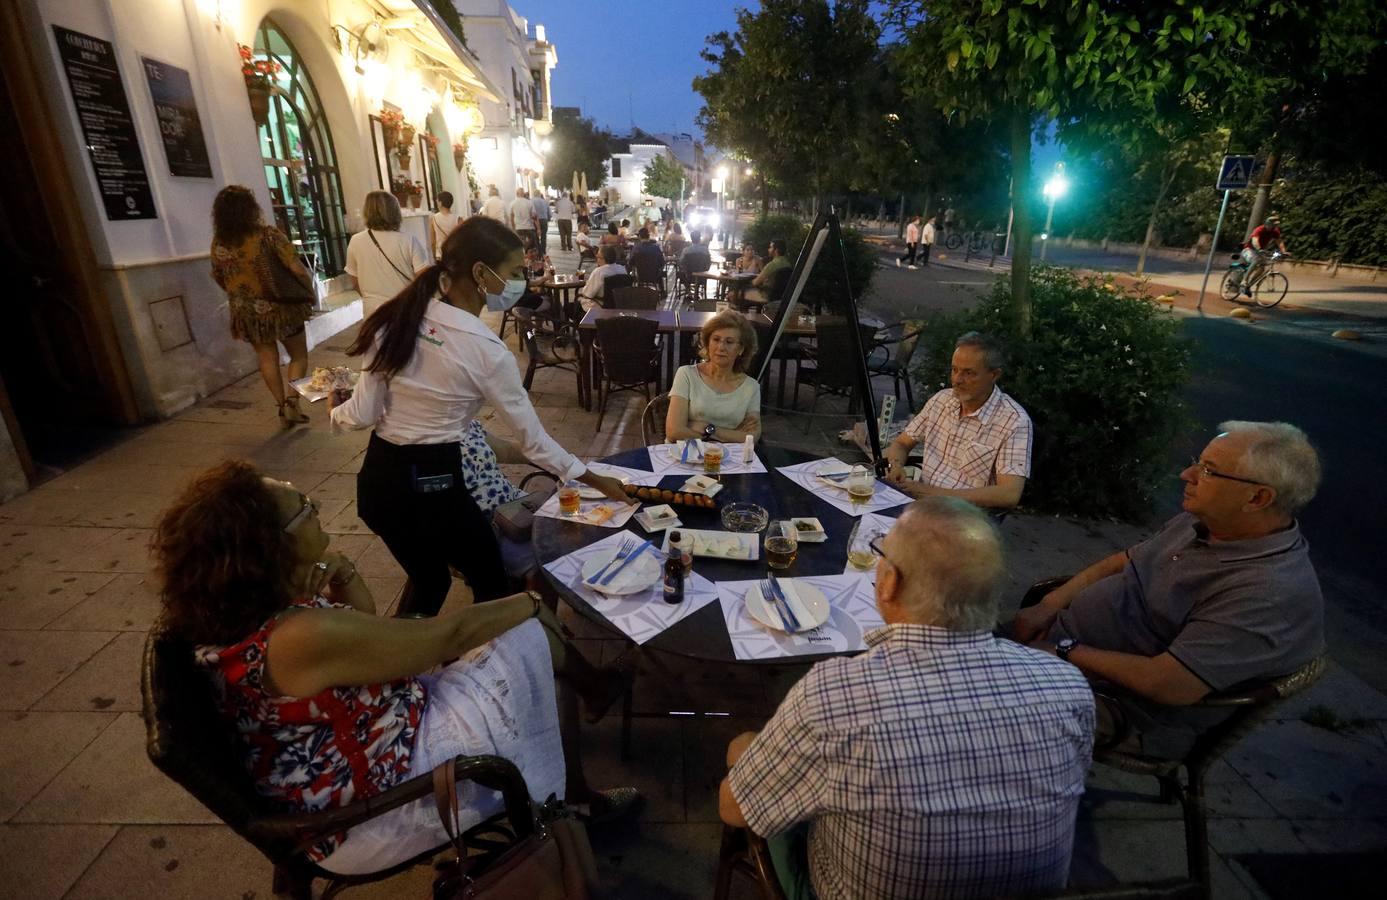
pixel 477 239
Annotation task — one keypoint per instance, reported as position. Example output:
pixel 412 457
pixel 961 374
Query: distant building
pixel 630 156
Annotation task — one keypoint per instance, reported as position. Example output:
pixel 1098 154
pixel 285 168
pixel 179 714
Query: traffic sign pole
pixel 1213 248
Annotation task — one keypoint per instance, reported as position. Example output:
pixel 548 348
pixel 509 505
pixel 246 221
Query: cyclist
pixel 1254 253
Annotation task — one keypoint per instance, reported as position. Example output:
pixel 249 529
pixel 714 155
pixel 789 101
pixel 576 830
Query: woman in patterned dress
pixel 240 242
pixel 331 701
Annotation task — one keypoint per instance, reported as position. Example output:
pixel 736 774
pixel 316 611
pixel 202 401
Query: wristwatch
pixel 709 430
pixel 1065 647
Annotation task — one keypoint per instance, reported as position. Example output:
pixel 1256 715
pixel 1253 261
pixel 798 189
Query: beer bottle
pixel 674 571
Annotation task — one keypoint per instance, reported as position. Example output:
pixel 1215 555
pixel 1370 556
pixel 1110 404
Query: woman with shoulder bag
pixel 269 293
pixel 381 259
pixel 431 365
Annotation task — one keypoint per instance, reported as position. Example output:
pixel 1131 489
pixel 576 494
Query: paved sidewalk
pixel 84 815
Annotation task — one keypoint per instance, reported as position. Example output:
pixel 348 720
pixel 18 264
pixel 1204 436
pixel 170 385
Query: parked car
pixel 703 217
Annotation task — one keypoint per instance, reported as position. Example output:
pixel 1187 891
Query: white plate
pixel 811 599
pixel 720 544
pixel 651 519
pixel 639 575
pixel 813 534
pixel 702 484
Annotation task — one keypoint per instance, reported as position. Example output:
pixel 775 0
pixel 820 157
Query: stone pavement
pixel 84 815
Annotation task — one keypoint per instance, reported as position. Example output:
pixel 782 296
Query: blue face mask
pixel 513 290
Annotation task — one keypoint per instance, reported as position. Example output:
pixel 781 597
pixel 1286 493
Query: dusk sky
pixel 627 62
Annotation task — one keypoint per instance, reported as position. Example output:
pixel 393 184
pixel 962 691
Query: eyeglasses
pixel 875 545
pixel 1206 472
pixel 310 507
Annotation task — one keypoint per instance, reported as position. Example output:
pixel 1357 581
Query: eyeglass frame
pixel 309 505
pixel 875 546
pixel 1206 472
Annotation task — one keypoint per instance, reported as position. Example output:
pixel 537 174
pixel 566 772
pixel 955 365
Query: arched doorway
pixel 300 160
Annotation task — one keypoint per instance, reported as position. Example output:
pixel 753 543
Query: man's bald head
pixel 949 559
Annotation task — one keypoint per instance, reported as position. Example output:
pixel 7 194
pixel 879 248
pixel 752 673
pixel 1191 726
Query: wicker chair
pixel 628 356
pixel 1251 704
pixel 189 741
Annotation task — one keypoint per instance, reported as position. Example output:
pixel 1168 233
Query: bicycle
pixel 1268 288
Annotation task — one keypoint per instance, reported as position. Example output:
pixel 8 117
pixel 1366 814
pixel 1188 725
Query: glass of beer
pixel 569 499
pixel 860 555
pixel 782 544
pixel 712 458
pixel 861 485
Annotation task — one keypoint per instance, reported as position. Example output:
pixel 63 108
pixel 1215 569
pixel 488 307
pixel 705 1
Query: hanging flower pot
pixel 402 153
pixel 259 103
pixel 391 135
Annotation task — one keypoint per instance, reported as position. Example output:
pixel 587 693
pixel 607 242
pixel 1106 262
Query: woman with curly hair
pixel 715 399
pixel 333 703
pixel 243 250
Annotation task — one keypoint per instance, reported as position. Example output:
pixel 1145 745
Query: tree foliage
pixel 578 145
pixel 663 178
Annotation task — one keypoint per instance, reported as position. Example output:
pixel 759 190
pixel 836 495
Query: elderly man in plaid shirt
pixel 942 762
pixel 976 440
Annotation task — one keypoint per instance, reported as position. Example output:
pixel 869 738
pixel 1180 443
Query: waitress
pixel 431 365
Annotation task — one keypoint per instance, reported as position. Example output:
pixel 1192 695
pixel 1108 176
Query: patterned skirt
pixel 260 321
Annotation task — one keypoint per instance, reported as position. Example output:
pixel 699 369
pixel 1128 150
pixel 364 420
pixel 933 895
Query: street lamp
pixel 1054 189
pixel 722 202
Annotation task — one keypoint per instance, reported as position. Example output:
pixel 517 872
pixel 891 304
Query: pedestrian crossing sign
pixel 1236 173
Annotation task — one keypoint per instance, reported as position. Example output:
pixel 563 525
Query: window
pixel 616 167
pixel 300 160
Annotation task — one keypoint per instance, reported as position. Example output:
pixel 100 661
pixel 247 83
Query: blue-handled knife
pixel 607 579
pixel 788 613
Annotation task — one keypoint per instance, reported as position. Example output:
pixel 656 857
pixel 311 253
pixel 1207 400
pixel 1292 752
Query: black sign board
pixel 179 125
pixel 107 128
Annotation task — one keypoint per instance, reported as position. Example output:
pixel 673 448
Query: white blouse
pixel 459 365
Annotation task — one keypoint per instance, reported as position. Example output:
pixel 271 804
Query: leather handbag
pixel 280 282
pixel 552 862
pixel 516 519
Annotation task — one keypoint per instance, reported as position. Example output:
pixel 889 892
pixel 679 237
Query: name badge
pixel 432 484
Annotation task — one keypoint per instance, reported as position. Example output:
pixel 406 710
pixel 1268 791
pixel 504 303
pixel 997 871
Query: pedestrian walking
pixel 522 216
pixel 927 240
pixel 912 243
pixel 541 205
pixel 268 291
pixel 563 211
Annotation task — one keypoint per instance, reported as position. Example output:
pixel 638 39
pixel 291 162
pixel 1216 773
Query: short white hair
pixel 1280 456
pixel 952 571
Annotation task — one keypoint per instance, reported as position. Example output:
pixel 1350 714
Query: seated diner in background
pixel 1223 595
pixel 333 703
pixel 612 237
pixel 716 399
pixel 749 262
pixel 583 239
pixel 696 257
pixel 766 274
pixel 976 439
pixel 675 242
pixel 646 261
pixel 594 289
pixel 941 762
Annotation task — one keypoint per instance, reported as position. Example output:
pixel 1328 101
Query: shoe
pixel 290 414
pixel 912 268
pixel 898 263
pixel 611 805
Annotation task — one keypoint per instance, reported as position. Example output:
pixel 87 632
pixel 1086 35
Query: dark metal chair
pixel 556 350
pixel 615 283
pixel 649 268
pixel 628 357
pixel 882 361
pixel 638 297
pixel 1251 703
pixel 653 420
pixel 188 740
pixel 832 368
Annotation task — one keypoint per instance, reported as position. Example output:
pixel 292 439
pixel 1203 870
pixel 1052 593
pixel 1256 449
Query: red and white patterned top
pixel 971 451
pixel 319 752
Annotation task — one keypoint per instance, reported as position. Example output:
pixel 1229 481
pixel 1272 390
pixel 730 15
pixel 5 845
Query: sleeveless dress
pixel 241 271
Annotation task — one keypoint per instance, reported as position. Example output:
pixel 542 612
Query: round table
pixel 703 635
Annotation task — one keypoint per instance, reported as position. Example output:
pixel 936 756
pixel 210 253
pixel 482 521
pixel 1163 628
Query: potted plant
pixel 405 149
pixel 390 122
pixel 416 195
pixel 259 77
pixel 401 187
pixel 431 141
pixel 460 154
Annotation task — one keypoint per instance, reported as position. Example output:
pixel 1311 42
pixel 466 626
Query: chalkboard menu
pixel 179 125
pixel 107 128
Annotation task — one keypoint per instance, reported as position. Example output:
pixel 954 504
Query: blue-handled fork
pixel 627 545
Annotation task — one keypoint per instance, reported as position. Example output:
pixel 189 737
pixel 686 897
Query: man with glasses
pixel 893 774
pixel 1225 593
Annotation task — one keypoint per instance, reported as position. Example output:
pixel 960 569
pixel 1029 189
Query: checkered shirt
pixel 936 764
pixel 971 451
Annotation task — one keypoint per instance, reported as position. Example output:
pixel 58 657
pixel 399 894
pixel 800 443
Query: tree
pixel 577 146
pixel 663 178
pixel 784 93
pixel 1014 62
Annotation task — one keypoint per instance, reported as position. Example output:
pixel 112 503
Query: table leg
pixel 780 389
pixel 585 368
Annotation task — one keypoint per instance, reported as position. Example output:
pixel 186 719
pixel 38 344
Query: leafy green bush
pixel 1101 377
pixel 825 289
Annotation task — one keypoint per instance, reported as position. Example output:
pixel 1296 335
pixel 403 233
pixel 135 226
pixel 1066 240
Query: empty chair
pixel 883 361
pixel 628 357
pixel 547 351
pixel 835 363
pixel 639 297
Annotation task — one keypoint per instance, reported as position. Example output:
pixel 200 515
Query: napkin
pixel 694 446
pixel 627 576
pixel 792 599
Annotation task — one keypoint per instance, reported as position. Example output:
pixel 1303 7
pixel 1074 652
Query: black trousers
pixel 909 258
pixel 924 254
pixel 428 532
pixel 565 234
pixel 543 236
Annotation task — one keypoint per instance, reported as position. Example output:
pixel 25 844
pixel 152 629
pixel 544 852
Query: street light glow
pixel 748 172
pixel 545 145
pixel 1056 187
pixel 722 172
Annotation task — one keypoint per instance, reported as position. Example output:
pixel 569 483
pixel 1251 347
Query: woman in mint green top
pixel 716 399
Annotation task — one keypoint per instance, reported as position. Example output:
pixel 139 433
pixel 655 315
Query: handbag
pixel 553 862
pixel 280 282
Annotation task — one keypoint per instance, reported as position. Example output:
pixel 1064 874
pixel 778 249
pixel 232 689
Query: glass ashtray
pixel 744 516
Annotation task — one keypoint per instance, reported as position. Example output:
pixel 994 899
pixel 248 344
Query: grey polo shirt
pixel 1229 611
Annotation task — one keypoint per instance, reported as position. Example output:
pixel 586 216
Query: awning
pixel 418 25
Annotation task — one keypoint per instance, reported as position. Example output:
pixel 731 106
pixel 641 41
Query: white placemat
pixel 854 614
pixel 640 616
pixel 886 497
pixel 621 512
pixel 878 523
pixel 665 463
pixel 635 476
